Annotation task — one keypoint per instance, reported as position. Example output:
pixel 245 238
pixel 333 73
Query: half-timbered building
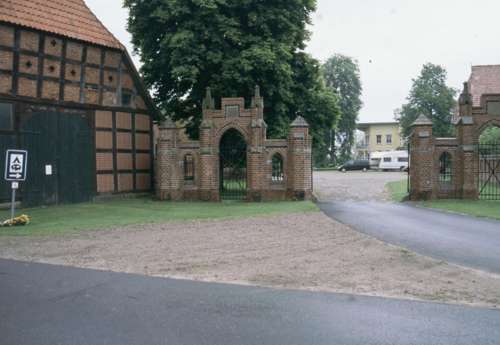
pixel 71 96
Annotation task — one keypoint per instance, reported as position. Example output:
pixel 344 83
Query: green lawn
pixel 106 214
pixel 479 208
pixel 398 190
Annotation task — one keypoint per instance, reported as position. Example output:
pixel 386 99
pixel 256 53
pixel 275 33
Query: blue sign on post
pixel 16 163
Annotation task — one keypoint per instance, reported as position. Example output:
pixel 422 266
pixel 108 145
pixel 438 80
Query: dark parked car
pixel 355 165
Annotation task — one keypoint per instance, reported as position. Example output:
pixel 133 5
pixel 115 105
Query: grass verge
pixel 477 208
pixel 106 214
pixel 398 190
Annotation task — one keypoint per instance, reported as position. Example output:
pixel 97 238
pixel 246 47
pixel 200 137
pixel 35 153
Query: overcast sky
pixel 391 39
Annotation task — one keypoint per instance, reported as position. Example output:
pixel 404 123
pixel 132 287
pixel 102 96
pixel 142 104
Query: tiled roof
pixel 484 80
pixel 70 18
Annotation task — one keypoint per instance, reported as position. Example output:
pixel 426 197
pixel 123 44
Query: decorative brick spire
pixel 257 100
pixel 208 101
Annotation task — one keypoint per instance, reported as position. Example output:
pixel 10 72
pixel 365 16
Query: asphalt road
pixel 42 304
pixel 463 240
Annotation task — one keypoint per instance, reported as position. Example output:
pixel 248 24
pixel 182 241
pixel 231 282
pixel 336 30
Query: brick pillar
pixel 256 152
pixel 422 165
pixel 168 181
pixel 467 156
pixel 467 159
pixel 299 169
pixel 209 169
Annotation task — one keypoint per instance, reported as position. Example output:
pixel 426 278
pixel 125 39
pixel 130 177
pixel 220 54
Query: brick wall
pixel 173 145
pixel 124 152
pixel 42 68
pixel 70 71
pixel 426 151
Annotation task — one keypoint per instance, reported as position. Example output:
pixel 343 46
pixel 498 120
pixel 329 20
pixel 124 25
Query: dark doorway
pixel 61 164
pixel 233 166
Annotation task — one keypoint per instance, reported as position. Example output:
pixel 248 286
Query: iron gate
pixel 489 171
pixel 233 166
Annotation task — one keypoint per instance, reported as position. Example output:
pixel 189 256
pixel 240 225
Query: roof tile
pixel 484 80
pixel 70 18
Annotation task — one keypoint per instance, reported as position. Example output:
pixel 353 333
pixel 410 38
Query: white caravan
pixel 394 160
pixel 375 158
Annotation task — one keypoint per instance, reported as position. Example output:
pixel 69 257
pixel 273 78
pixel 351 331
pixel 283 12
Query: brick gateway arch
pixel 458 167
pixel 270 169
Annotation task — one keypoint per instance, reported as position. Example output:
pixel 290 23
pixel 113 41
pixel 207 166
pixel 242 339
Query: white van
pixel 394 160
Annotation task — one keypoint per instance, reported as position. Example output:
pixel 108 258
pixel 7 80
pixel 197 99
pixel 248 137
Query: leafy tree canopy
pixel 429 95
pixel 342 75
pixel 231 46
pixel 490 135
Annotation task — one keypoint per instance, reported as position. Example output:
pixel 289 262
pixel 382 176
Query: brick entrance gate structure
pixel 449 167
pixel 276 169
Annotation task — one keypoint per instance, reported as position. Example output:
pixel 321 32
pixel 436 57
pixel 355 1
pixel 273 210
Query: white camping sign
pixel 16 163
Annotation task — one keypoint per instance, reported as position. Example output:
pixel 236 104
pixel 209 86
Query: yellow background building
pixel 379 137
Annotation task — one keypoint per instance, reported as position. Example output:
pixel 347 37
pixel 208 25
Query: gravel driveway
pixel 303 251
pixel 354 185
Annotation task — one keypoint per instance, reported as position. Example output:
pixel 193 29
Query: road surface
pixel 47 305
pixel 463 240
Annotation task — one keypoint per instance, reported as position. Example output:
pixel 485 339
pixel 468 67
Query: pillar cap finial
pixel 299 122
pixel 422 120
pixel 257 101
pixel 208 101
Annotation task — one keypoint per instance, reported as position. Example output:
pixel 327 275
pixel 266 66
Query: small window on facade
pixel 388 139
pixel 126 99
pixel 379 139
pixel 278 174
pixel 445 168
pixel 387 159
pixel 6 117
pixel 188 168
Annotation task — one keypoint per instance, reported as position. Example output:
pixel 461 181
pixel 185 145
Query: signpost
pixel 16 163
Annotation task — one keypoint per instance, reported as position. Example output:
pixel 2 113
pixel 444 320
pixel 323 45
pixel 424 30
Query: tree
pixel 430 96
pixel 490 136
pixel 231 46
pixel 341 74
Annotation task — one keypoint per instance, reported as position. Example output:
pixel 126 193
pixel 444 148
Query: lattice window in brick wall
pixel 188 167
pixel 278 174
pixel 445 168
pixel 232 111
